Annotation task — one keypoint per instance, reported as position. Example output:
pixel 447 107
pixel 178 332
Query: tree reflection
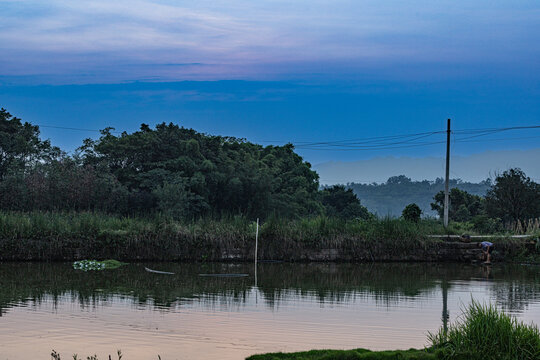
pixel 513 287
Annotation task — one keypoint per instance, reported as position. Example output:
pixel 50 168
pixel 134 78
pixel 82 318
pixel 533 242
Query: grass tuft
pixel 483 332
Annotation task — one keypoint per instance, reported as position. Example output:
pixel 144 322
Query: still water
pixel 286 307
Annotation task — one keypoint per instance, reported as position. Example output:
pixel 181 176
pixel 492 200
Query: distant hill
pixel 474 168
pixel 390 197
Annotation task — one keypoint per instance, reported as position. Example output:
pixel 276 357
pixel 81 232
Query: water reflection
pixel 514 287
pixel 287 307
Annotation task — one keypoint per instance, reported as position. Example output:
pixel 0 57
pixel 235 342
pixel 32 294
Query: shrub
pixel 412 213
pixel 486 225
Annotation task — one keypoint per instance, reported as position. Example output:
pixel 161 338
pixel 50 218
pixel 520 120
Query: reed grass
pixel 80 235
pixel 42 235
pixel 483 332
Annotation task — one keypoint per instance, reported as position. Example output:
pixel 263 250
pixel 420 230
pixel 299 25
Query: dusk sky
pixel 277 71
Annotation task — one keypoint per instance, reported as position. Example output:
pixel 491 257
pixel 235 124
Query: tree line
pixel 513 198
pixel 168 169
pixel 184 174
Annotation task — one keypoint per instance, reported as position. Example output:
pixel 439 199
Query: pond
pixel 284 307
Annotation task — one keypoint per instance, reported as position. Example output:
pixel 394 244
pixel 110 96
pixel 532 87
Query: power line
pixel 367 149
pixel 387 142
pixel 496 129
pixel 474 133
pixel 497 139
pixel 76 129
pixel 356 144
pixel 369 139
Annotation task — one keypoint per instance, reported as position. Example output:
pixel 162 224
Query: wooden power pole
pixel 447 179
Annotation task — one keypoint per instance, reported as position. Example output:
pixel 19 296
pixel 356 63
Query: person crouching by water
pixel 487 247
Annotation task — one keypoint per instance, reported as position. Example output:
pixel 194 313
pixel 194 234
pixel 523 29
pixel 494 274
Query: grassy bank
pixel 481 333
pixel 355 354
pixel 69 236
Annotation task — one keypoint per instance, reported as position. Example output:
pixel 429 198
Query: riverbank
pixel 355 354
pixel 73 236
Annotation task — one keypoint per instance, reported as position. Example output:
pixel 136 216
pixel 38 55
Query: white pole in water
pixel 256 241
pixel 256 248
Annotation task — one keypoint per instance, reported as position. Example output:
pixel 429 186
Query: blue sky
pixel 276 71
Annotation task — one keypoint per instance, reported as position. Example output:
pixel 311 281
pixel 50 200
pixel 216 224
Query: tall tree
pixel 191 174
pixel 412 212
pixel 463 206
pixel 20 144
pixel 514 196
pixel 343 203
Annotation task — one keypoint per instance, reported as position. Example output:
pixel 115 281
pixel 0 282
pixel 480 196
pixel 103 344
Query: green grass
pixel 356 354
pixel 483 332
pixel 50 236
pixel 71 236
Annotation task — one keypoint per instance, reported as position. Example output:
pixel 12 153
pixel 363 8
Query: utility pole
pixel 447 175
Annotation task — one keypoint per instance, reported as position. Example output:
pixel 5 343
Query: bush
pixel 486 225
pixel 412 213
pixel 343 203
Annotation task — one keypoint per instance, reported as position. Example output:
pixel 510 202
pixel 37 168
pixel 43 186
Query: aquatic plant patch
pixel 94 265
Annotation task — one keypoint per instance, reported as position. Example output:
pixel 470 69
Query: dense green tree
pixel 192 174
pixel 186 174
pixel 514 196
pixel 170 169
pixel 412 212
pixel 343 203
pixel 20 144
pixel 463 206
pixel 399 180
pixel 61 185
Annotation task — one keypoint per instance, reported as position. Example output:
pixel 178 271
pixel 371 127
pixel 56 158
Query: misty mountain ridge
pixel 391 197
pixel 375 183
pixel 473 168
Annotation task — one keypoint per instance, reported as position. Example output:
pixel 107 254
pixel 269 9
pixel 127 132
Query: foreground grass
pixel 481 333
pixel 356 354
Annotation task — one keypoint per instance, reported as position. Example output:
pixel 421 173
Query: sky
pixel 275 71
